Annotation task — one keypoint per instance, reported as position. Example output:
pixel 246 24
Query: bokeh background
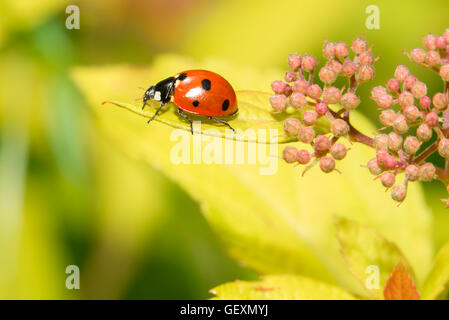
pixel 69 197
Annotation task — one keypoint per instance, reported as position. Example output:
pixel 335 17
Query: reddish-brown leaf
pixel 400 286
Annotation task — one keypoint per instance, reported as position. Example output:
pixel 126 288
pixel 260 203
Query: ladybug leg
pixel 186 117
pixel 157 111
pixel 223 122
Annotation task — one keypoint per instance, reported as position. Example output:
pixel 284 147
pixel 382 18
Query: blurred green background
pixel 69 197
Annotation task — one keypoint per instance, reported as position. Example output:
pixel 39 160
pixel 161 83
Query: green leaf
pixel 280 287
pixel 275 224
pixel 436 285
pixel 369 255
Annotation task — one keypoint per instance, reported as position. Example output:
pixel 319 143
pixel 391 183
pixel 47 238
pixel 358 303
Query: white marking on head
pixel 177 82
pixel 157 96
pixel 195 92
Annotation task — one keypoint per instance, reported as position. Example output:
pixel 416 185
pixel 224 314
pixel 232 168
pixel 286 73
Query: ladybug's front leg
pixel 157 111
pixel 186 117
pixel 222 121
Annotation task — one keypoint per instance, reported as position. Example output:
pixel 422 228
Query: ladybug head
pixel 148 95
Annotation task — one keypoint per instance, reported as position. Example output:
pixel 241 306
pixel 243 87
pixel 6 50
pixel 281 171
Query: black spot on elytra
pixel 225 105
pixel 206 84
pixel 182 76
pixel 195 103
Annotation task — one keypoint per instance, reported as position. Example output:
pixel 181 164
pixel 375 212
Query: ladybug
pixel 195 92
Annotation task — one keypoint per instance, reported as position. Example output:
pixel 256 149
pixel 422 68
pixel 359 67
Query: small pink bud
pixel 410 81
pixel 419 89
pixel 331 95
pixel 443 148
pixel 365 73
pixel 393 85
pixel 425 102
pixel 297 100
pixel 327 75
pixel 327 164
pixel 300 86
pixel 400 124
pixel 411 145
pixel 314 91
pixel 280 87
pixel 349 68
pixel 339 127
pixel 394 141
pixel 341 50
pixel 294 61
pixel 412 172
pixel 308 63
pixel 321 108
pixel 401 72
pixel 309 117
pixel 440 101
pixel 432 119
pixel 446 37
pixel 373 167
pixel 378 91
pixel 387 117
pixel 387 179
pixel 349 101
pixel 411 113
pixel 381 141
pixel 303 156
pixel 291 126
pixel 424 132
pixel 406 99
pixel 399 192
pixel 290 76
pixel 389 162
pixel 366 57
pixel 384 101
pixel 417 55
pixel 444 72
pixel 440 42
pixel 279 102
pixel 426 172
pixel 429 42
pixel 306 134
pixel 289 154
pixel 338 151
pixel 432 58
pixel 335 66
pixel 359 45
pixel 322 143
pixel 329 50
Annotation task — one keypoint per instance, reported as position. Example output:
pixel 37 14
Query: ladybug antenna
pixel 140 87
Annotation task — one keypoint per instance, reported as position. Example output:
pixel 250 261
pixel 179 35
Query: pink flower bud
pixel 300 86
pixel 425 102
pixel 417 55
pixel 349 68
pixel 444 72
pixel 424 132
pixel 349 101
pixel 327 164
pixel 419 89
pixel 426 172
pixel 387 117
pixel 366 58
pixel 290 76
pixel 378 91
pixel 411 113
pixel 339 127
pixel 373 167
pixel 406 99
pixel 279 102
pixel 294 61
pixel 440 42
pixel 411 145
pixel 365 73
pixel 446 37
pixel 393 85
pixel 387 179
pixel 443 148
pixel 329 50
pixel 410 81
pixel 280 87
pixel 321 108
pixel 289 154
pixel 309 117
pixel 335 66
pixel 341 50
pixel 314 91
pixel 306 135
pixel 440 101
pixel 303 156
pixel 399 192
pixel 338 151
pixel 322 143
pixel 308 63
pixel 291 126
pixel 400 124
pixel 432 119
pixel 429 42
pixel 359 45
pixel 401 72
pixel 394 141
pixel 327 75
pixel 412 172
pixel 432 58
pixel 381 141
pixel 331 95
pixel 385 160
pixel 384 101
pixel 297 100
